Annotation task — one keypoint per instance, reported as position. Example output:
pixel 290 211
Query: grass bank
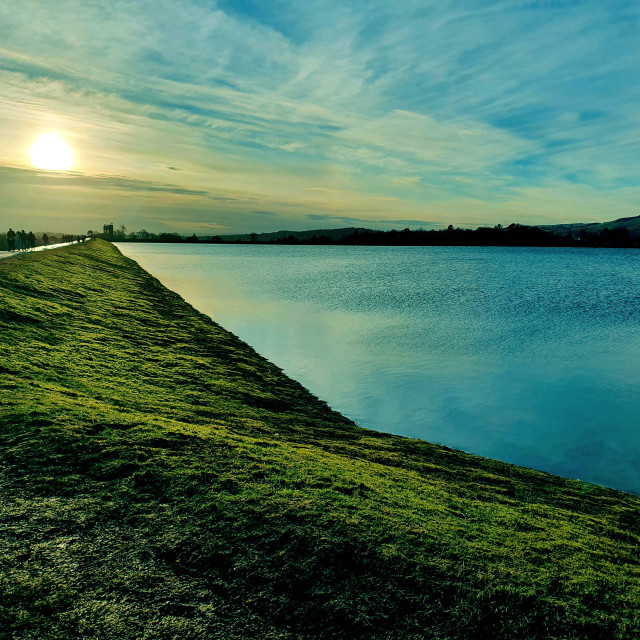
pixel 160 479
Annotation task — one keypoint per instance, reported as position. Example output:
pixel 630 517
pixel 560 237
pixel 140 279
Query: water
pixel 528 355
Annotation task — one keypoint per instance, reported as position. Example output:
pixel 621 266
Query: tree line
pixel 514 235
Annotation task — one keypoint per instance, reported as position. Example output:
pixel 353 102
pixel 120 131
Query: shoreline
pixel 427 369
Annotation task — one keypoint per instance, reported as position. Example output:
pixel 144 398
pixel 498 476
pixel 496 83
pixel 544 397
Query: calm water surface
pixel 523 354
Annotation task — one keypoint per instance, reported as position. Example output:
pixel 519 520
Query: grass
pixel 159 479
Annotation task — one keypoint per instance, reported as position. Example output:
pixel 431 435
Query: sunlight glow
pixel 51 152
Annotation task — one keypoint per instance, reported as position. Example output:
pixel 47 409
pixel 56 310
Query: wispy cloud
pixel 500 110
pixel 69 179
pixel 207 225
pixel 375 221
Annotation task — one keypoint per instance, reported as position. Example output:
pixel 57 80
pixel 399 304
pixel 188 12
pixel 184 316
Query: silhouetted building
pixel 107 229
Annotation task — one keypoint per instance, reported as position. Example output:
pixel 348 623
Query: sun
pixel 51 152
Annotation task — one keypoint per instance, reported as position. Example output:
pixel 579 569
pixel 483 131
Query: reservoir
pixel 527 355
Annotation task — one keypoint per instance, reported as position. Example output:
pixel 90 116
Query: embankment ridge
pixel 160 479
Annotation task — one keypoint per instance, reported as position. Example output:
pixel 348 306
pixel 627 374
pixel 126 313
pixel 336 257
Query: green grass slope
pixel 159 479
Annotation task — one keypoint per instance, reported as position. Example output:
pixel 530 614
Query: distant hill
pixel 632 224
pixel 334 234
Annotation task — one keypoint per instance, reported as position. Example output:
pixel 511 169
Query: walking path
pixel 7 254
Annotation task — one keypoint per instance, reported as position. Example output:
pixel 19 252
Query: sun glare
pixel 51 152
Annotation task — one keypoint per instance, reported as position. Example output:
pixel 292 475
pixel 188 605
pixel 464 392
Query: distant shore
pixel 159 474
pixel 622 233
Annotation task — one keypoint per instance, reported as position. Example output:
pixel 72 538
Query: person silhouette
pixel 11 239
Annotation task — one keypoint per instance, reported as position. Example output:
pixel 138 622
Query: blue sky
pixel 238 116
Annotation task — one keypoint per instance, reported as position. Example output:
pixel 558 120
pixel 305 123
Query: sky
pixel 235 116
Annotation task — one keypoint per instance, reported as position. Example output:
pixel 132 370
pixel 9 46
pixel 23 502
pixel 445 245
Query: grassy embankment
pixel 162 480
